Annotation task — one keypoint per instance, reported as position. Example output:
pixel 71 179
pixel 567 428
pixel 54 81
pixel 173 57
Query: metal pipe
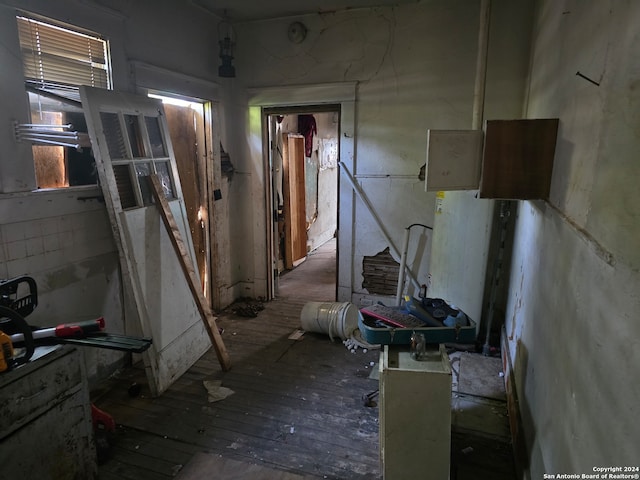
pixel 361 195
pixel 49 134
pixel 403 262
pixel 51 142
pixel 29 126
pixel 478 101
pixel 481 65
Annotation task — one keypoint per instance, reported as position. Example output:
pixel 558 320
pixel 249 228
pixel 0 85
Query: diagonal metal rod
pixel 361 195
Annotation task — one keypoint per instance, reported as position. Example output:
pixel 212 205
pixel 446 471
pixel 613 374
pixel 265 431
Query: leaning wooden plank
pixel 190 274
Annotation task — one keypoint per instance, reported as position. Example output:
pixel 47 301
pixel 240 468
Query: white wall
pixel 463 223
pixel 414 66
pixel 65 243
pixel 325 222
pixel 325 226
pixel 15 174
pixel 572 317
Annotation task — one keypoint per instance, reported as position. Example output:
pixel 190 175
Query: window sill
pixel 84 190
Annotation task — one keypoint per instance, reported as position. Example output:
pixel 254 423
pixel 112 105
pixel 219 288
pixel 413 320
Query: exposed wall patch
pixel 380 273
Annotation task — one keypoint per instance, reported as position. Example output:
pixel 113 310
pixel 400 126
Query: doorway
pixel 189 124
pixel 303 163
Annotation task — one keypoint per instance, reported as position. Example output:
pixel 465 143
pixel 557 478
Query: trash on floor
pixel 246 307
pixel 336 319
pixel 296 334
pixel 216 391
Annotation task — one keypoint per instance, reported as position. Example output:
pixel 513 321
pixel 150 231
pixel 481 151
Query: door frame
pixel 153 79
pixel 269 115
pixel 267 99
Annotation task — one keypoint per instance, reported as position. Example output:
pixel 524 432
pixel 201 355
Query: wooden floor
pixel 297 404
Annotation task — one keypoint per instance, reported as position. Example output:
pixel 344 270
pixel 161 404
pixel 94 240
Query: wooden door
pixel 294 200
pixel 131 141
pixel 182 122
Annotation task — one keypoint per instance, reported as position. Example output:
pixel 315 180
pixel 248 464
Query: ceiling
pixel 251 10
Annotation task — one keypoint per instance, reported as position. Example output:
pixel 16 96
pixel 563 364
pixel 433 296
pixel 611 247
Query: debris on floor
pixel 246 307
pixel 216 391
pixel 297 334
pixel 356 341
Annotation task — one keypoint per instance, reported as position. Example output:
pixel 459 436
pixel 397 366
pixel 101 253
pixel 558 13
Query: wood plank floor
pixel 297 404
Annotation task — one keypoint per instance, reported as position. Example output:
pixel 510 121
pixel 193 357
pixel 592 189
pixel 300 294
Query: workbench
pixel 46 430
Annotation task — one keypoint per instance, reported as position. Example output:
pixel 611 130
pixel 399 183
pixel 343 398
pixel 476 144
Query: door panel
pixel 130 141
pixel 181 121
pixel 294 201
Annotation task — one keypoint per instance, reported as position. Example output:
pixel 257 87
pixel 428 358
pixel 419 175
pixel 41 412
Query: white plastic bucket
pixel 334 319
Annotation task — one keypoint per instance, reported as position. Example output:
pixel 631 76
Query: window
pixel 57 59
pixel 137 149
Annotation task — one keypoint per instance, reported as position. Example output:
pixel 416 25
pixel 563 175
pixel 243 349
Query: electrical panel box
pixel 454 159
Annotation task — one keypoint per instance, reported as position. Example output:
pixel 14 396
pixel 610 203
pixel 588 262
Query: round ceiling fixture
pixel 297 32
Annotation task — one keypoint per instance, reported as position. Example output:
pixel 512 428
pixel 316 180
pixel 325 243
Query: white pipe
pixel 476 124
pixel 481 66
pixel 362 196
pixel 403 263
pixel 50 134
pixel 42 141
pixel 22 126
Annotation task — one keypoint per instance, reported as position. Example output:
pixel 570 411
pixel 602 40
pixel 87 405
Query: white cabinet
pixel 415 414
pixel 510 159
pixel 454 160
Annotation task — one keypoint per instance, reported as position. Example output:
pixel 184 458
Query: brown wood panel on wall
pixel 183 137
pixel 518 158
pixel 50 162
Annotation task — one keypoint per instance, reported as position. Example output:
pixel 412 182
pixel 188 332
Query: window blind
pixel 58 60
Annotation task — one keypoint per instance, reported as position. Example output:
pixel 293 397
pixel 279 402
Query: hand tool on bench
pixel 18 298
pixel 66 330
pixel 89 334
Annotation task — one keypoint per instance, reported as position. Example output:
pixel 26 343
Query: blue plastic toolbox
pixel 394 325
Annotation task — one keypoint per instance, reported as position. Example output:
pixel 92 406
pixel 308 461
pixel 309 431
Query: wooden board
pixel 294 201
pixel 129 135
pixel 189 272
pixel 49 161
pixel 205 466
pixel 181 121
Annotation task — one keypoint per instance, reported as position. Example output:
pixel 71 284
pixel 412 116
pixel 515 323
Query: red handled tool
pixel 88 333
pixel 66 330
pixel 18 298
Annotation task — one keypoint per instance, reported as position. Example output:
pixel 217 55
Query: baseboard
pixel 520 454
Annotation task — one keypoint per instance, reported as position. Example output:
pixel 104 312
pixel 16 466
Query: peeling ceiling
pixel 252 10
